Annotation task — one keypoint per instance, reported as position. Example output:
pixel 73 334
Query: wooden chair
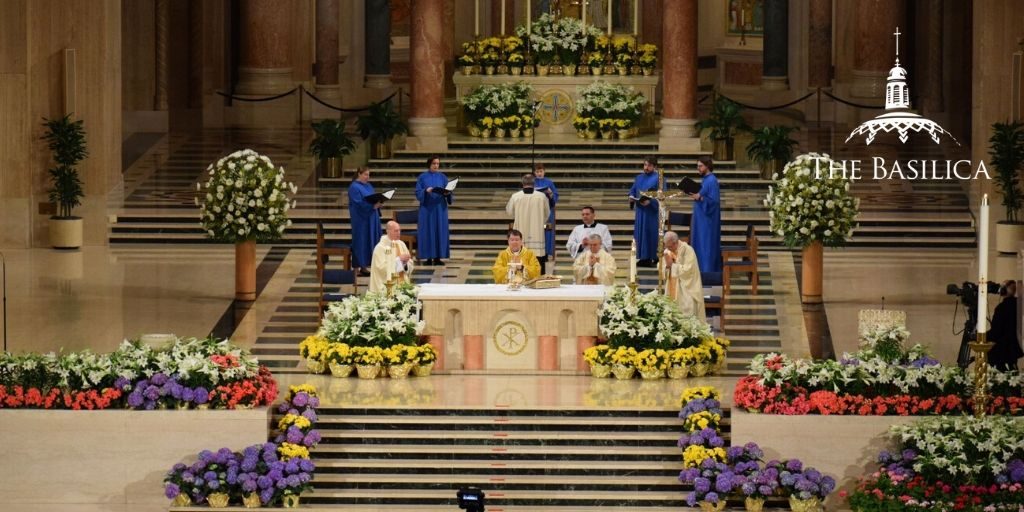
pixel 680 220
pixel 339 278
pixel 741 258
pixel 325 249
pixel 405 218
pixel 714 303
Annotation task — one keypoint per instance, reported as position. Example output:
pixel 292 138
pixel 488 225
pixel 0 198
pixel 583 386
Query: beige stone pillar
pixel 264 66
pixel 327 49
pixel 679 69
pixel 875 50
pixel 819 47
pixel 427 124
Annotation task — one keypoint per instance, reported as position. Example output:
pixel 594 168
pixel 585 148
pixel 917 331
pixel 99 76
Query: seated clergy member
pixel 578 238
pixel 594 265
pixel 514 257
pixel 682 276
pixel 390 256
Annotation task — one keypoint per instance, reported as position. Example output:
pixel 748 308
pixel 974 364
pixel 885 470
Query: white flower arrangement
pixel 808 203
pixel 566 37
pixel 885 341
pixel 246 198
pixel 648 321
pixel 498 100
pixel 375 319
pixel 604 100
pixel 963 448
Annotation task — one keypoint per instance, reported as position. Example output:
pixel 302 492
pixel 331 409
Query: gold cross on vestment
pixel 661 196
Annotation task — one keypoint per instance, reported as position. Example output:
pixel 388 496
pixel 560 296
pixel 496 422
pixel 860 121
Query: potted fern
pixel 1006 151
pixel 66 140
pixel 330 145
pixel 722 124
pixel 380 126
pixel 771 148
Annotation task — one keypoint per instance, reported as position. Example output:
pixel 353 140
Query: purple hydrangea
pixel 171 490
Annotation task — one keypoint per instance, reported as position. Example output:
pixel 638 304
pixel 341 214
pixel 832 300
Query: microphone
pixel 536 105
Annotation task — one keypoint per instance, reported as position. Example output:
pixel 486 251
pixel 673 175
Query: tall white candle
pixel 636 17
pixel 983 267
pixel 583 16
pixel 632 262
pixel 609 16
pixel 502 17
pixel 476 18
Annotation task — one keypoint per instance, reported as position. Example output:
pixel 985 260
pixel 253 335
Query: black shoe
pixel 438 262
pixel 363 273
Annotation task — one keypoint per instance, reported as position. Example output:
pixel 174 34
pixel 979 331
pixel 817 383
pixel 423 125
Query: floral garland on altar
pixel 946 464
pixel 504 107
pixel 186 373
pixel 808 203
pixel 246 199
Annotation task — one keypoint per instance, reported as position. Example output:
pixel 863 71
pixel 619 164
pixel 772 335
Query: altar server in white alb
pixel 594 265
pixel 530 212
pixel 682 276
pixel 578 238
pixel 391 258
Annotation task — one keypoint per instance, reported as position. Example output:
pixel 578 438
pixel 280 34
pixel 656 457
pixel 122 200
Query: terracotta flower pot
pixel 811 273
pixel 245 270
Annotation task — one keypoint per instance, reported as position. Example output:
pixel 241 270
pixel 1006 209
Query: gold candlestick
pixel 980 349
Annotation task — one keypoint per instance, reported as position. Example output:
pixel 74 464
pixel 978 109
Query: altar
pixel 558 95
pixel 490 328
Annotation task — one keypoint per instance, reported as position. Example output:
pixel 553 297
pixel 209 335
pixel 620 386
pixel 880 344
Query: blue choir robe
pixel 549 235
pixel 706 226
pixel 645 224
pixel 432 228
pixel 365 221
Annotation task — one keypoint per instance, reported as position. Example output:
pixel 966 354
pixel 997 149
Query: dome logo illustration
pixel 898 117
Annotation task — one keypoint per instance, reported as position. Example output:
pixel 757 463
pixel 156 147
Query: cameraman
pixel 1006 347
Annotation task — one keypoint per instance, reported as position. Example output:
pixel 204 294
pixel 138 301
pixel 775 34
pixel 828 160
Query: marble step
pixel 489 466
pixel 489 481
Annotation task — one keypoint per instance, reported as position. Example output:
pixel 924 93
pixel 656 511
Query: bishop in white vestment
pixel 391 258
pixel 594 265
pixel 682 276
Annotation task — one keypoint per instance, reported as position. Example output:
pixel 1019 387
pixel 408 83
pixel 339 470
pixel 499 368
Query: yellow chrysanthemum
pixel 700 392
pixel 290 451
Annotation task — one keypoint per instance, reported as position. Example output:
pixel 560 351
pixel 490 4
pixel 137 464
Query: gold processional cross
pixel 661 196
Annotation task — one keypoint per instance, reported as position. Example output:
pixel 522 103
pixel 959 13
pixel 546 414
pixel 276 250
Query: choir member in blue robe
pixel 365 219
pixel 645 224
pixel 432 242
pixel 706 226
pixel 545 185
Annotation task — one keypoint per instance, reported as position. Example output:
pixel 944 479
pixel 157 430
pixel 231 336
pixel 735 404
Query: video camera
pixel 968 291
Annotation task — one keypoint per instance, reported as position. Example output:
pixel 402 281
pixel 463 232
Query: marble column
pixel 378 44
pixel 679 70
pixel 929 55
pixel 326 66
pixel 819 47
pixel 775 53
pixel 427 123
pixel 160 62
pixel 875 50
pixel 264 64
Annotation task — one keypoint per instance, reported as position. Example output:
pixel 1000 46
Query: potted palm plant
pixel 66 139
pixel 380 126
pixel 722 124
pixel 771 148
pixel 1006 151
pixel 330 145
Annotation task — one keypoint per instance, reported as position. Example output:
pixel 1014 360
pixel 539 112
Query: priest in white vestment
pixel 578 238
pixel 391 258
pixel 682 276
pixel 594 265
pixel 530 212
